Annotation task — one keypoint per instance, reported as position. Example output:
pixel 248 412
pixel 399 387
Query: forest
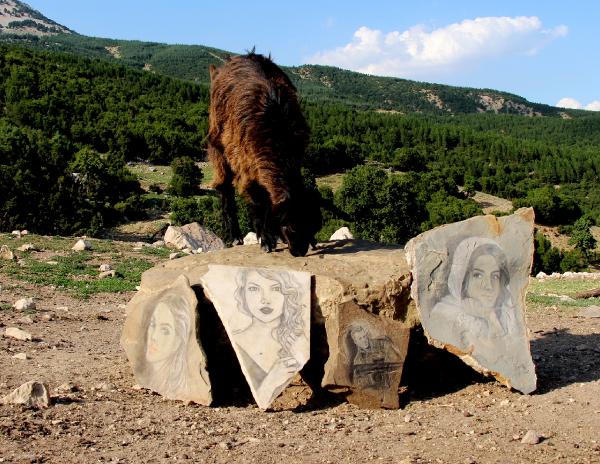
pixel 69 125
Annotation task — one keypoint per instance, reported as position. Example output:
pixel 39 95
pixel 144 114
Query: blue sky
pixel 545 51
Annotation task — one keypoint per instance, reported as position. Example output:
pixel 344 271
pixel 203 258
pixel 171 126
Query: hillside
pixel 18 18
pixel 315 83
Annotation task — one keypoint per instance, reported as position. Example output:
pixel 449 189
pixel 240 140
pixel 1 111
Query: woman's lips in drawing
pixel 266 310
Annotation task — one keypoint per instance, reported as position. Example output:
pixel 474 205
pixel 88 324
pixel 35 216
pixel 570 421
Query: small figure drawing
pixel 271 345
pixel 167 338
pixel 477 314
pixel 372 359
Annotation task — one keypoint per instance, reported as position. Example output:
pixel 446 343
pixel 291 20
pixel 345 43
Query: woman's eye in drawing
pixel 253 288
pixel 165 331
pixel 477 275
pixel 276 288
pixel 496 276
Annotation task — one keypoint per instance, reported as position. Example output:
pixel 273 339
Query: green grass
pixel 547 293
pixel 162 174
pixel 334 181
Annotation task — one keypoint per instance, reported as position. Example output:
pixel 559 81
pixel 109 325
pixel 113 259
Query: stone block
pixel 266 313
pixel 469 283
pixel 366 354
pixel 159 338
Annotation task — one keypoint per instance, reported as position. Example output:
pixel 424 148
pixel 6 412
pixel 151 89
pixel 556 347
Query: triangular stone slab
pixel 159 338
pixel 469 283
pixel 366 354
pixel 266 313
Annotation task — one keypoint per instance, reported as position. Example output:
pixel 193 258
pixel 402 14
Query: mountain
pixel 19 18
pixel 315 83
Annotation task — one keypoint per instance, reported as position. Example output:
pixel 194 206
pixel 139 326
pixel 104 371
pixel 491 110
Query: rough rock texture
pixel 192 236
pixel 374 276
pixel 159 338
pixel 82 245
pixel 6 253
pixel 24 304
pixel 17 334
pixel 31 395
pixel 343 233
pixel 470 280
pixel 366 354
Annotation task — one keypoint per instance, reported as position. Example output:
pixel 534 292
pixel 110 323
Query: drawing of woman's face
pixel 263 297
pixel 484 281
pixel 162 340
pixel 360 337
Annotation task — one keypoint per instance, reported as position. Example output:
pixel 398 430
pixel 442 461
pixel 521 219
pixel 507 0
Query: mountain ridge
pixel 314 82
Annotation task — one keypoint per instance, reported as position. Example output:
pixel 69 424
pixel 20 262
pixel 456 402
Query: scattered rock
pixel 106 274
pixel 25 232
pixel 16 233
pixel 25 320
pixel 342 233
pixel 105 387
pixel 24 304
pixel 105 267
pixel 531 438
pixel 67 387
pixel 159 244
pixel 21 356
pixel 27 247
pixel 173 256
pixel 6 253
pixel 31 394
pixel 251 239
pixel 589 312
pixel 16 333
pixel 192 236
pixel 82 245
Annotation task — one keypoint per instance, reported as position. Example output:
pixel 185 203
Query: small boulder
pixel 16 233
pixel 192 236
pixel 27 247
pixel 531 438
pixel 105 267
pixel 107 274
pixel 82 245
pixel 159 244
pixel 342 233
pixel 20 356
pixel 251 239
pixel 24 304
pixel 6 253
pixel 31 394
pixel 18 334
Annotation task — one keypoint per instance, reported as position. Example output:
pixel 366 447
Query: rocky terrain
pixel 449 414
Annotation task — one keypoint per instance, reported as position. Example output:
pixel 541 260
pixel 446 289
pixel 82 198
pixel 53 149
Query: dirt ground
pixel 446 416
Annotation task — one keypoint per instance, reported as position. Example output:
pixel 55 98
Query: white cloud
pixel 570 103
pixel 573 104
pixel 419 52
pixel 593 106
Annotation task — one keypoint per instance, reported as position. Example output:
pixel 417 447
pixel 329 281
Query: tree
pixel 581 236
pixel 186 178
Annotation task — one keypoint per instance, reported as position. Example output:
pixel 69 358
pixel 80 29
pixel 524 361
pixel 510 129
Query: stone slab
pixel 367 353
pixel 159 338
pixel 266 313
pixel 469 282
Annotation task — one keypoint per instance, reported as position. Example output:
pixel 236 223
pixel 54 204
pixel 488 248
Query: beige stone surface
pixel 193 237
pixel 159 338
pixel 376 276
pixel 469 283
pixel 31 395
pixel 266 313
pixel 366 354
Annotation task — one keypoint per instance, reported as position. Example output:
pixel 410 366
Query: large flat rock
pixel 469 283
pixel 159 338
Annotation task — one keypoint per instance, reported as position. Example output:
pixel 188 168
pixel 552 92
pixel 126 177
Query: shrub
pixel 186 178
